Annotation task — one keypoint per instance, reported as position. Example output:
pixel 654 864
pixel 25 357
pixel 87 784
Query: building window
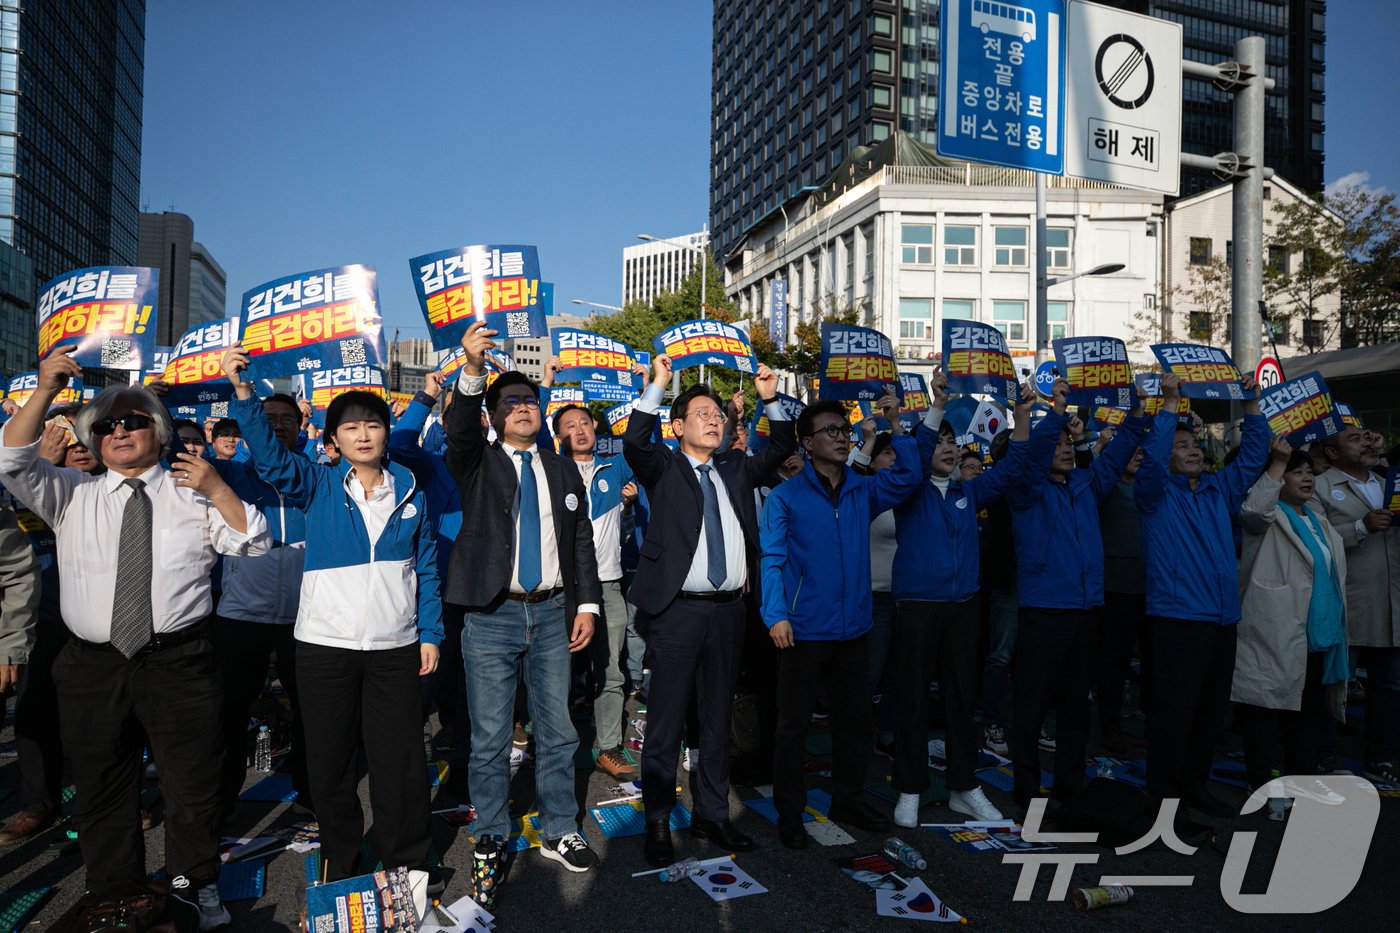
pixel 870 252
pixel 883 25
pixel 1198 326
pixel 1230 254
pixel 917 243
pixel 880 98
pixel 915 321
pixel 879 130
pixel 1200 250
pixel 1057 249
pixel 959 309
pixel 960 246
pixel 1057 314
pixel 850 246
pixel 1313 331
pixel 1010 246
pixel 1009 317
pixel 1278 260
pixel 881 62
pixel 1280 331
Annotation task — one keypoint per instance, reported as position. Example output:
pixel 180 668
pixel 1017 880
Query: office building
pixel 916 240
pixel 70 131
pixel 192 283
pixel 410 360
pixel 18 351
pixel 659 266
pixel 208 286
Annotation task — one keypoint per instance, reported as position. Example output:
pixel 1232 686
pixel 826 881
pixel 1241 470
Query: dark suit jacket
pixel 480 569
pixel 677 505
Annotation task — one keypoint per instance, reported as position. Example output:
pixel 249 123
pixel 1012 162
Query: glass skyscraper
pixel 798 84
pixel 70 131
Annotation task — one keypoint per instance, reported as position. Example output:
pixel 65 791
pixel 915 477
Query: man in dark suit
pixel 524 570
pixel 698 561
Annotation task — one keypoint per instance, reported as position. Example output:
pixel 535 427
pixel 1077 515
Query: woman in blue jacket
pixel 368 624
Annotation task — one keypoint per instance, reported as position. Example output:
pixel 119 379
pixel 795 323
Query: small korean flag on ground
pixel 725 881
pixel 915 902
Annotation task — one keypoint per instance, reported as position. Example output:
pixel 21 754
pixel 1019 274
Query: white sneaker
pixel 995 739
pixel 690 761
pixel 906 811
pixel 973 803
pixel 213 915
pixel 1313 790
pixel 1046 741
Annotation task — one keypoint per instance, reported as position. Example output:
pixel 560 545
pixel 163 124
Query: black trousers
pixel 243 651
pixel 692 645
pixel 936 639
pixel 446 687
pixel 842 668
pixel 38 741
pixel 365 701
pixel 1123 624
pixel 105 701
pixel 1193 664
pixel 1053 667
pixel 760 675
pixel 1299 729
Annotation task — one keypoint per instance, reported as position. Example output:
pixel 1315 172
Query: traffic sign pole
pixel 1042 286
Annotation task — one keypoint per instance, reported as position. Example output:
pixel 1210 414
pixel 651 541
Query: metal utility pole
pixel 1042 286
pixel 1247 277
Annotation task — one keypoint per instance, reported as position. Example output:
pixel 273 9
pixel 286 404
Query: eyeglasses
pixel 706 415
pixel 284 421
pixel 832 431
pixel 131 422
pixel 194 441
pixel 511 402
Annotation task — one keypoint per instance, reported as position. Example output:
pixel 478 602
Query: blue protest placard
pixel 706 342
pixel 22 386
pixel 617 416
pixel 1206 372
pixel 857 364
pixel 603 365
pixel 665 433
pixel 1349 416
pixel 606 446
pixel 194 372
pixel 108 312
pixel 382 901
pixel 1097 371
pixel 324 319
pixel 322 386
pixel 1391 501
pixel 1301 410
pixel 914 394
pixel 156 368
pixel 977 362
pixel 777 301
pixel 496 284
pixel 760 432
pixel 1001 83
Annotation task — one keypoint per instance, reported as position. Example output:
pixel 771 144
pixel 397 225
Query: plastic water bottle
pixel 680 870
pixel 262 756
pixel 900 851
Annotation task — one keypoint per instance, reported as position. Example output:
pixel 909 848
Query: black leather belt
pixel 538 596
pixel 158 641
pixel 716 596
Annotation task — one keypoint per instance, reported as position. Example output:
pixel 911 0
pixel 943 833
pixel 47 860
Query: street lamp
pixel 594 304
pixel 1042 288
pixel 703 248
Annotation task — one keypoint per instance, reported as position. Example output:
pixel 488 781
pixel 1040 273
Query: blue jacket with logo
pixel 1187 540
pixel 936 556
pixel 430 469
pixel 816 548
pixel 356 593
pixel 266 588
pixel 1059 550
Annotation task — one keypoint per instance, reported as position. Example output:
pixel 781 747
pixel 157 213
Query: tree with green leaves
pixel 1305 229
pixel 1370 269
pixel 1207 302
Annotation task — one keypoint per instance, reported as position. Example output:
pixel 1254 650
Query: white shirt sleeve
pixel 933 419
pixel 46 489
pixel 650 401
pixel 590 607
pixel 471 385
pixel 254 542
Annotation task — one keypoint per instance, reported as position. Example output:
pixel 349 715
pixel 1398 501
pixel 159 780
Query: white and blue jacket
pixel 356 593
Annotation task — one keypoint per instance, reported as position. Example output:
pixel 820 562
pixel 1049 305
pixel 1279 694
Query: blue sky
pixel 317 133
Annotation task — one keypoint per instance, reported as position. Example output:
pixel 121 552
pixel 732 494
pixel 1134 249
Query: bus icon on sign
pixel 990 16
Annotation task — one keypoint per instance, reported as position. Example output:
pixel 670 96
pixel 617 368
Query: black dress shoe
pixel 659 851
pixel 792 834
pixel 722 833
pixel 859 814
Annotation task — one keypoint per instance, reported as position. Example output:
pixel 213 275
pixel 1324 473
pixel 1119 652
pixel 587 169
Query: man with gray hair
pixel 141 654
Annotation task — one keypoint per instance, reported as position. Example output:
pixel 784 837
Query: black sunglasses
pixel 131 422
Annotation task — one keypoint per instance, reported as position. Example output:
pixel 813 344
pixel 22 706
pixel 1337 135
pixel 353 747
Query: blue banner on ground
pixel 108 312
pixel 496 284
pixel 325 319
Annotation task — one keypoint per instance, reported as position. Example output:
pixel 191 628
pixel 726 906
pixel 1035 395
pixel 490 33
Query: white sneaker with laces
pixel 1313 790
pixel 973 803
pixel 906 811
pixel 571 851
pixel 1047 741
pixel 213 915
pixel 995 737
pixel 691 759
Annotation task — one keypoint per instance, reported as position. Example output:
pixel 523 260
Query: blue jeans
pixel 1001 644
pixel 498 646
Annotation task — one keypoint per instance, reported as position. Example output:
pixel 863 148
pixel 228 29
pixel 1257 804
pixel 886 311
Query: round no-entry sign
pixel 1268 373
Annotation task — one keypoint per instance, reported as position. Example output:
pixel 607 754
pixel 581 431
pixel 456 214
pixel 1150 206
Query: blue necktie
pixel 529 527
pixel 714 529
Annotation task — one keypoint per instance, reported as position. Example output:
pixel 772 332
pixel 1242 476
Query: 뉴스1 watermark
pixel 1331 823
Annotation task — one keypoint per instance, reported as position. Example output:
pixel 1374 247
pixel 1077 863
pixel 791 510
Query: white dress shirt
pixel 85 513
pixel 551 573
pixel 736 568
pixel 377 509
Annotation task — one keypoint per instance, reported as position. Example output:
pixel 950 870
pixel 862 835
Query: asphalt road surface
pixel 806 891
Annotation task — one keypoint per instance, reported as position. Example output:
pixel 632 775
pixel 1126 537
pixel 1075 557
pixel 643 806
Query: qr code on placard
pixel 352 352
pixel 517 323
pixel 744 363
pixel 117 353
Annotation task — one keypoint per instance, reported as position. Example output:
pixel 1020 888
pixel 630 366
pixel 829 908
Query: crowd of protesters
pixel 393 562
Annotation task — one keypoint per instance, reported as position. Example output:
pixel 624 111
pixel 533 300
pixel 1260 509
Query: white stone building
pixel 655 267
pixel 919 244
pixel 1199 229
